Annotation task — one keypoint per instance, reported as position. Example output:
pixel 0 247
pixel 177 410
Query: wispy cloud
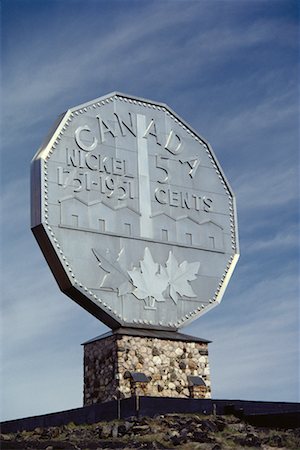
pixel 267 187
pixel 130 48
pixel 287 239
pixel 255 342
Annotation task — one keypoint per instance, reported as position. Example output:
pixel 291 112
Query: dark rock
pixel 179 436
pixel 178 440
pixel 182 365
pixel 45 434
pixel 209 426
pixel 274 441
pixel 124 428
pixel 143 421
pixel 140 429
pixel 201 436
pixel 253 440
pixel 250 440
pixel 54 432
pixel 155 351
pixel 180 422
pixel 173 377
pixel 145 445
pixel 203 352
pixel 105 444
pixel 157 445
pixel 220 424
pixel 183 433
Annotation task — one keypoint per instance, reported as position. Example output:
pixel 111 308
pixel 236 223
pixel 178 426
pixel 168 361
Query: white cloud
pixel 129 51
pixel 40 348
pixel 267 187
pixel 283 240
pixel 255 334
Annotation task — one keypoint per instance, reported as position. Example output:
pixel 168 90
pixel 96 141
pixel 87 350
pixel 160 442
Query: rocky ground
pixel 171 431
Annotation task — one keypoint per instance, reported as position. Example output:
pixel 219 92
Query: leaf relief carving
pixel 151 279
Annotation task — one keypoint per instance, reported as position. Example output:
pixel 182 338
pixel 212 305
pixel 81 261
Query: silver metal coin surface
pixel 134 214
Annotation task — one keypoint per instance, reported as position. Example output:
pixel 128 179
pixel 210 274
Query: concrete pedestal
pixel 129 362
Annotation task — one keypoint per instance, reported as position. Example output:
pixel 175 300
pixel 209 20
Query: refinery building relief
pixel 99 216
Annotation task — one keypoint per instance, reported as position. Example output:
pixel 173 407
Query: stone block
pixel 166 362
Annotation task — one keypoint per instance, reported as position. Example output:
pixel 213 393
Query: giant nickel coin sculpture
pixel 134 214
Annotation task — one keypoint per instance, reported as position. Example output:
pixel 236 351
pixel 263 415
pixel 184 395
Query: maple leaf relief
pixel 151 280
pixel 179 276
pixel 116 275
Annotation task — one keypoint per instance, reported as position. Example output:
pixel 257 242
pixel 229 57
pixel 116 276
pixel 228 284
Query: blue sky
pixel 231 70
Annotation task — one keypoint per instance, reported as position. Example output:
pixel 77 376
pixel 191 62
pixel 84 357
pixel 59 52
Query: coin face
pixel 133 214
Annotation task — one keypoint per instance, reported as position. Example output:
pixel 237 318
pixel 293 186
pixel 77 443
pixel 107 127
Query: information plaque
pixel 134 214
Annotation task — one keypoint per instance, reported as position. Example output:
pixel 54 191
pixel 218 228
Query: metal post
pixel 119 407
pixel 137 405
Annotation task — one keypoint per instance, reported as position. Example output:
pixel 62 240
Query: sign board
pixel 134 214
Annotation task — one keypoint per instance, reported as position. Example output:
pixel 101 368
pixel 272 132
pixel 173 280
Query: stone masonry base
pixel 127 362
